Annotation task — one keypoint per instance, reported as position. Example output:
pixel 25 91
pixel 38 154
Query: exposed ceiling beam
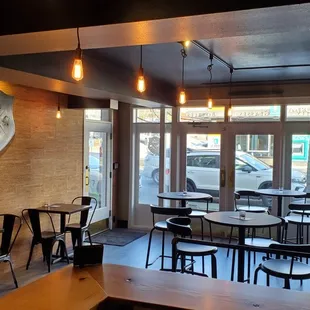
pixel 54 85
pixel 59 14
pixel 219 25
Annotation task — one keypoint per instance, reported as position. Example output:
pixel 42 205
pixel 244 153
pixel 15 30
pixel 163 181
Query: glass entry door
pixel 97 166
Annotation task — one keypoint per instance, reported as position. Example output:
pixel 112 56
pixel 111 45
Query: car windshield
pixel 254 162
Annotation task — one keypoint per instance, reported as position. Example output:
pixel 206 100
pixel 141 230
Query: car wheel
pixel 267 201
pixel 190 186
pixel 155 176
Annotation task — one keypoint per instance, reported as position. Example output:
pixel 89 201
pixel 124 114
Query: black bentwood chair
pixel 199 214
pixel 287 269
pixel 77 230
pixel 46 238
pixel 9 234
pixel 162 226
pixel 248 196
pixel 180 226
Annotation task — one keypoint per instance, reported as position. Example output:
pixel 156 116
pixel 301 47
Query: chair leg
pixel 213 266
pixel 63 244
pixel 182 263
pixel 287 284
pixel 12 271
pixel 47 248
pixel 229 241
pixel 30 253
pixel 256 274
pixel 203 264
pixel 268 279
pixel 233 265
pixel 210 228
pixel 163 250
pixel 249 265
pixel 148 249
pixel 201 224
pixel 89 237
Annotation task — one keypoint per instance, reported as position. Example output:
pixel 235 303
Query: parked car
pixel 203 172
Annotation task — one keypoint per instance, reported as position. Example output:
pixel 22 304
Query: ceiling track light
pixel 229 112
pixel 77 69
pixel 58 113
pixel 182 94
pixel 141 80
pixel 210 101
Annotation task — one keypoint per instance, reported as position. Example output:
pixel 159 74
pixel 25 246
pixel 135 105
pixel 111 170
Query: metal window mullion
pixel 161 151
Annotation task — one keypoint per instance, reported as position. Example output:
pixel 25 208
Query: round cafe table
pixel 252 220
pixel 280 193
pixel 180 196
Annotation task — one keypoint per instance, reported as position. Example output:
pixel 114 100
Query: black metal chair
pixel 247 194
pixel 199 214
pixel 287 269
pixel 77 230
pixel 180 226
pixel 9 234
pixel 162 226
pixel 47 239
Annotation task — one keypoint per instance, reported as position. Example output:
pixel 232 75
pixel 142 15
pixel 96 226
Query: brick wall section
pixel 43 162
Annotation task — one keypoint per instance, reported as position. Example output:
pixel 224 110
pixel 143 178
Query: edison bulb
pixel 58 114
pixel 229 113
pixel 141 84
pixel 187 43
pixel 77 70
pixel 182 97
pixel 210 103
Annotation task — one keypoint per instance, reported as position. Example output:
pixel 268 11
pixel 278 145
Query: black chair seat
pixel 192 249
pixel 162 225
pixel 300 212
pixel 296 219
pixel 253 209
pixel 196 213
pixel 281 268
pixel 259 242
pixel 74 226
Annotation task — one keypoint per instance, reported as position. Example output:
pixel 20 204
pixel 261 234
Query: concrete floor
pixel 134 255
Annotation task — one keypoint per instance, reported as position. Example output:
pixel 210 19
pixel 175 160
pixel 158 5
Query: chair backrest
pixel 86 201
pixel 169 211
pixel 245 194
pixel 35 223
pixel 300 207
pixel 179 226
pixel 8 235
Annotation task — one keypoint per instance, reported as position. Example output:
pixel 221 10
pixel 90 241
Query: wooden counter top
pixel 71 288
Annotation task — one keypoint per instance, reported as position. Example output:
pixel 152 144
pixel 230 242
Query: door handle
pixel 87 180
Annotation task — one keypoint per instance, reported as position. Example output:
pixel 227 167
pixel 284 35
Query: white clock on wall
pixel 7 124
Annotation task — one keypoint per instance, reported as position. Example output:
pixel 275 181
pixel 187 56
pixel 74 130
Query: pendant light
pixel 58 114
pixel 210 101
pixel 141 81
pixel 77 69
pixel 182 94
pixel 229 112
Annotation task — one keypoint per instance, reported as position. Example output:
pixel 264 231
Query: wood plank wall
pixel 43 162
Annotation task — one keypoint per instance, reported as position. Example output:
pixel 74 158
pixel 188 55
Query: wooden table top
pixel 74 288
pixel 63 208
pixel 182 196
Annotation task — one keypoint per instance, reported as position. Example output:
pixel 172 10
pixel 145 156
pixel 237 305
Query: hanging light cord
pixel 184 55
pixel 210 71
pixel 230 82
pixel 141 56
pixel 78 36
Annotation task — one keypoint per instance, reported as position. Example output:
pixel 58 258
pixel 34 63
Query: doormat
pixel 117 236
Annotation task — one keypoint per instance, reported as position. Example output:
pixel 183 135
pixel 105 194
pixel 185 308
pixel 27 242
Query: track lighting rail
pixel 230 66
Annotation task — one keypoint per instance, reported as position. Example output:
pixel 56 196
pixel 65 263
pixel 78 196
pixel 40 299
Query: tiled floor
pixel 134 255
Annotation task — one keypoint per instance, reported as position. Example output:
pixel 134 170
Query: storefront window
pixel 216 114
pixel 146 116
pixel 256 113
pixel 297 112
